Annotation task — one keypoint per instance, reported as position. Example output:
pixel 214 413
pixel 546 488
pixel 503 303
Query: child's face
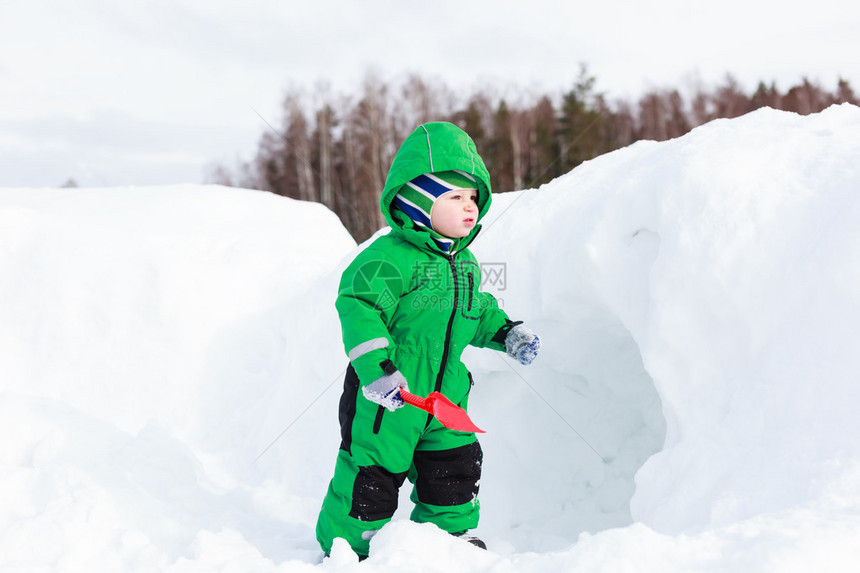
pixel 455 213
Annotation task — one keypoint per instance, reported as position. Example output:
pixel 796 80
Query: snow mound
pixel 730 255
pixel 171 365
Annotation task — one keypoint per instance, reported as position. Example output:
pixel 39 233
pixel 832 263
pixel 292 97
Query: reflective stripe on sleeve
pixel 366 347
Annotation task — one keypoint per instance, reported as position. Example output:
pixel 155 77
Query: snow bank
pixel 149 341
pixel 730 255
pixel 171 368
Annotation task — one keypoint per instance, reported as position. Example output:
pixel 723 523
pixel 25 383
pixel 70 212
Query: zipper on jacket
pixel 448 330
pixel 471 291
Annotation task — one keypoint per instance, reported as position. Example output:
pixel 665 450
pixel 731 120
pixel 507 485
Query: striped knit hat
pixel 416 198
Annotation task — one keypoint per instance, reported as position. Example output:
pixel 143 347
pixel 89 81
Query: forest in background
pixel 336 149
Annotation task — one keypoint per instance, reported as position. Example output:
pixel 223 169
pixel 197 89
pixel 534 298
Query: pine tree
pixel 500 155
pixel 766 96
pixel 844 93
pixel 578 130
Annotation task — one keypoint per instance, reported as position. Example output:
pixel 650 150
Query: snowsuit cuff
pixel 502 333
pixel 372 366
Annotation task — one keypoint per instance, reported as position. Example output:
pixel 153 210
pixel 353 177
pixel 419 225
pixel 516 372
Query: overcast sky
pixel 136 92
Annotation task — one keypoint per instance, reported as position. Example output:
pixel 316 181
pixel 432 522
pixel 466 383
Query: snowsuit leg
pixel 360 500
pixel 446 486
pixel 379 449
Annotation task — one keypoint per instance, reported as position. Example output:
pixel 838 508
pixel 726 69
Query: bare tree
pixel 298 145
pixel 522 127
pixel 369 148
pixel 806 98
pixel 623 126
pixel 701 108
pixel 216 174
pixel 730 100
pixel 677 122
pixel 421 101
pixel 339 152
pixel 545 147
pixel 271 162
pixel 323 145
pixel 653 117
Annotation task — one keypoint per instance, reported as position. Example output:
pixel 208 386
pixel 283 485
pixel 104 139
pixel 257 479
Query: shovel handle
pixel 410 398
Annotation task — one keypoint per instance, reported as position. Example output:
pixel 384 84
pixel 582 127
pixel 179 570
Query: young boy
pixel 409 304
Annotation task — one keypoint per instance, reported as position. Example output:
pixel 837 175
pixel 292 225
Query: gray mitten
pixel 523 344
pixel 385 391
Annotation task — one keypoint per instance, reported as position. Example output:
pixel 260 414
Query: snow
pixel 171 364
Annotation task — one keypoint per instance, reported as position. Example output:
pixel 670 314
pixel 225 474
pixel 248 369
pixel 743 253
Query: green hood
pixel 434 147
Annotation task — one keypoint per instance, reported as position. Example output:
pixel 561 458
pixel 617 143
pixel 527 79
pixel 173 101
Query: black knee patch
pixel 374 494
pixel 448 477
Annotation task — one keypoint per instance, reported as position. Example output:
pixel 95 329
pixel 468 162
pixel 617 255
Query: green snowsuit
pixel 405 303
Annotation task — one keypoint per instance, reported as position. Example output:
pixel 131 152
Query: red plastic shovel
pixel 447 412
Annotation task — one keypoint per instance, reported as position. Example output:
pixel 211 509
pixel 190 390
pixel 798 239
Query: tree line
pixel 336 149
